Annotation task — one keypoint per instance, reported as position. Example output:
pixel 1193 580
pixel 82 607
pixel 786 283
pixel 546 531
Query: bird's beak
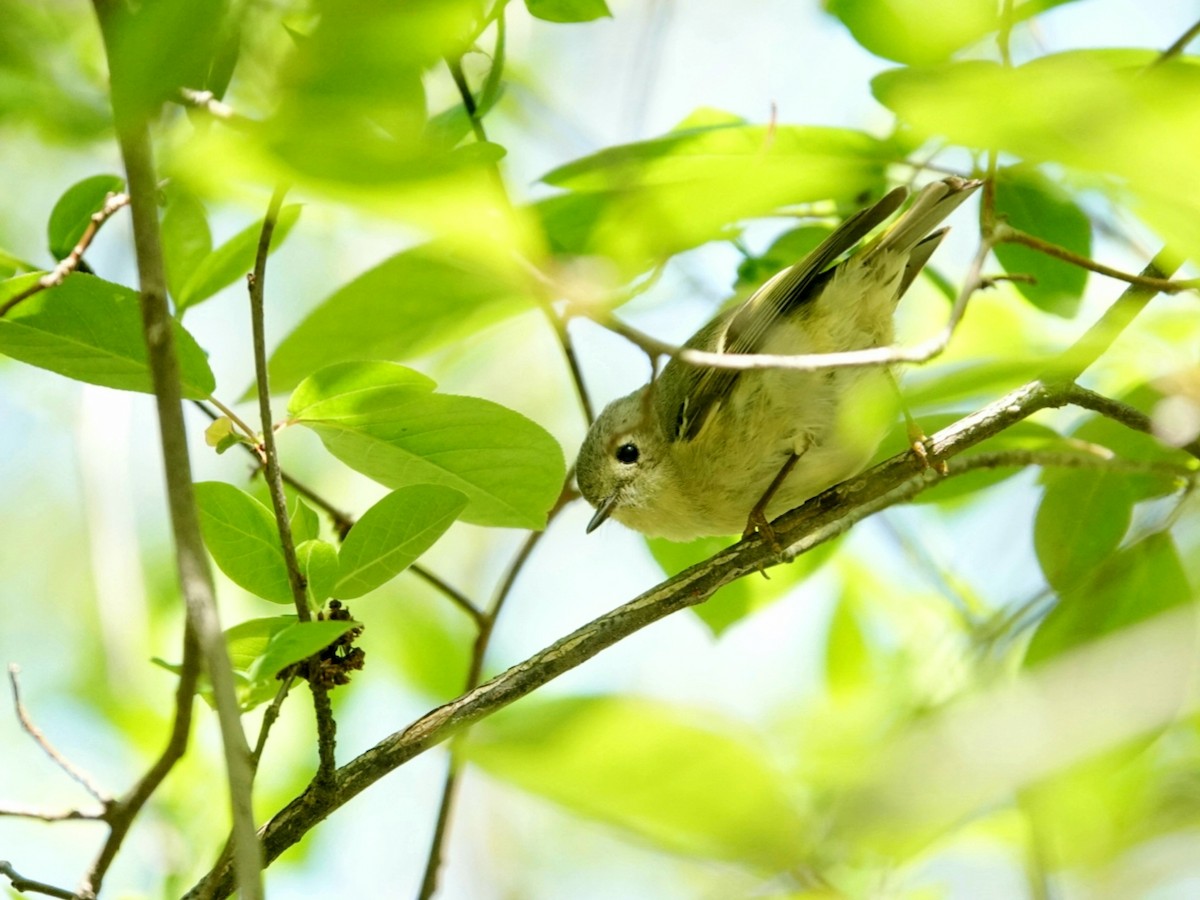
pixel 603 511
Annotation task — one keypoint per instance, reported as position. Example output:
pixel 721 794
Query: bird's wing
pixel 699 391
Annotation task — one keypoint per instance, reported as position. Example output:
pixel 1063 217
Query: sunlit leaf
pixel 91 330
pixel 382 420
pixel 847 652
pixel 260 648
pixel 1124 587
pixel 232 260
pixel 74 210
pixel 692 783
pixel 568 10
pixel 916 31
pixel 640 202
pixel 411 303
pixel 1082 109
pixel 241 536
pixel 392 534
pixel 1032 203
pixel 298 641
pixel 13 265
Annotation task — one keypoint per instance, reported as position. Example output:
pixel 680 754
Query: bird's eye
pixel 627 453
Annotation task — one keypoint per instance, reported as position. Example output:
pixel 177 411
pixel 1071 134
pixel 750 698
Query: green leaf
pixel 848 665
pixel 261 648
pixel 786 250
pixel 305 522
pixel 91 330
pixel 382 420
pixel 232 260
pixel 298 641
pixel 186 239
pixel 407 305
pixel 392 534
pixel 1123 588
pixel 690 782
pixel 74 210
pixel 241 536
pixel 1079 109
pixel 638 203
pixel 919 32
pixel 432 639
pixel 318 562
pixel 741 598
pixel 12 265
pixel 1081 520
pixel 1033 203
pixel 568 10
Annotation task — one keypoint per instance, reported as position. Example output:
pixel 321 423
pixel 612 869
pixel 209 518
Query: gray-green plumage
pixel 706 442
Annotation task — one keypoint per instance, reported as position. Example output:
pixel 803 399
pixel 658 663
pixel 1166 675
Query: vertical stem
pixel 195 577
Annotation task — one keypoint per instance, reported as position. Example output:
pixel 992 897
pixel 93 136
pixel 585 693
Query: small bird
pixel 711 451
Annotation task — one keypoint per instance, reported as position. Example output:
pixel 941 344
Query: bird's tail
pixel 933 204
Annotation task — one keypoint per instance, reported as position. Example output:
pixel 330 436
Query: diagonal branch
pixel 71 261
pixel 817 521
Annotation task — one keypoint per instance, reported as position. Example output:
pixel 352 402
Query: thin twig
pixel 487 625
pixel 22 884
pixel 88 783
pixel 195 577
pixel 208 102
pixel 1004 35
pixel 71 261
pixel 1120 412
pixel 1179 45
pixel 57 815
pixel 233 417
pixel 1006 234
pixel 812 362
pixel 452 593
pixel 121 814
pixel 326 725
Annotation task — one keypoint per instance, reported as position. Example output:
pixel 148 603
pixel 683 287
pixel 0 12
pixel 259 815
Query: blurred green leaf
pixel 1080 108
pixel 232 260
pixel 186 239
pixel 638 203
pixel 74 210
pixel 1081 520
pixel 741 598
pixel 411 303
pixel 12 265
pixel 318 562
pixel 91 330
pixel 305 522
pixel 848 666
pixel 1122 588
pixel 688 781
pixel 916 32
pixel 568 10
pixel 392 534
pixel 241 536
pixel 382 421
pixel 431 641
pixel 1035 204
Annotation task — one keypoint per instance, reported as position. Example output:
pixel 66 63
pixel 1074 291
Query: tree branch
pixel 817 521
pixel 76 773
pixel 71 261
pixel 195 577
pixel 1006 234
pixel 22 884
pixel 326 726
